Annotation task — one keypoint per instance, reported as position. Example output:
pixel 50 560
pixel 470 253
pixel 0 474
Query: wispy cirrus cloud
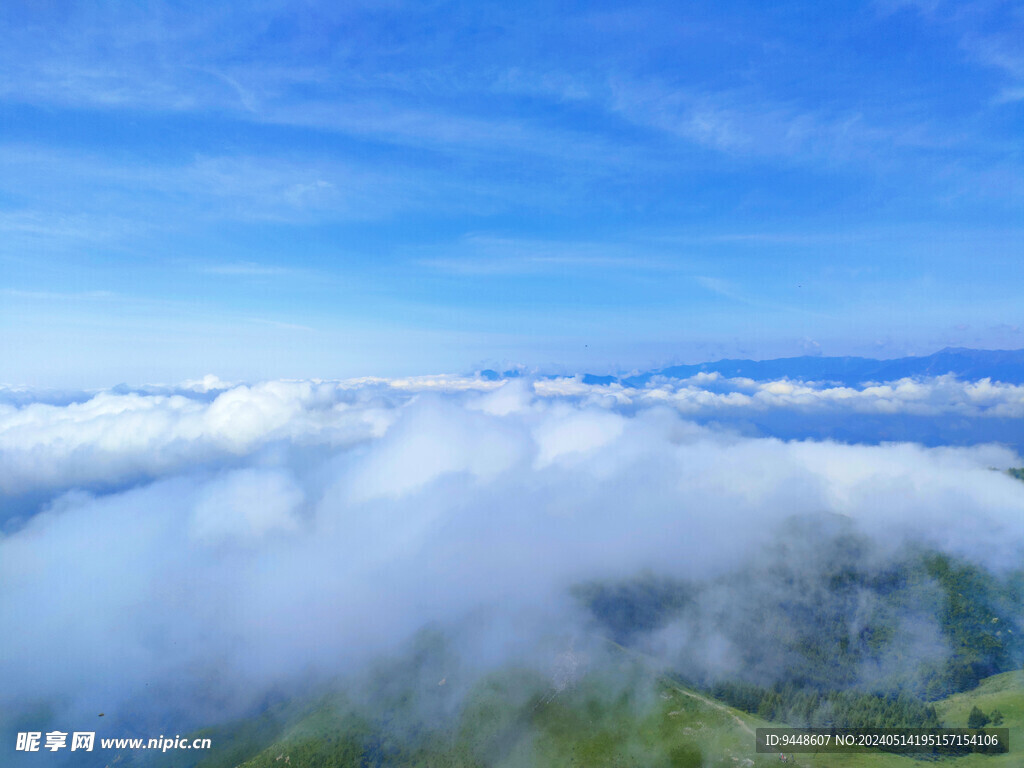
pixel 128 199
pixel 66 226
pixel 247 269
pixel 989 34
pixel 483 255
pixel 281 324
pixel 728 290
pixel 360 142
pixel 60 296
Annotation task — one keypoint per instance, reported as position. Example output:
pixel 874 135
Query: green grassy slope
pixel 1004 692
pixel 514 718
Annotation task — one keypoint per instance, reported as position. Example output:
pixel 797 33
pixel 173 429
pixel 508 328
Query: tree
pixel 997 717
pixel 977 718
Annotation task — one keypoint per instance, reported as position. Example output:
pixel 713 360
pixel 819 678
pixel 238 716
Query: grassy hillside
pixel 1004 693
pixel 818 633
pixel 622 717
pixel 514 719
pixel 824 614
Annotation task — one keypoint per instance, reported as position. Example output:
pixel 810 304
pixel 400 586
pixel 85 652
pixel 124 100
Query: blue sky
pixel 339 189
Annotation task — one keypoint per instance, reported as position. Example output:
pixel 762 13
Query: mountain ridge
pixel 1001 365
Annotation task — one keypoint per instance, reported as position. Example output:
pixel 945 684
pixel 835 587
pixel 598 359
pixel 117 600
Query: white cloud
pixel 109 437
pixel 297 526
pixel 570 432
pixel 246 504
pixel 924 397
pixel 116 437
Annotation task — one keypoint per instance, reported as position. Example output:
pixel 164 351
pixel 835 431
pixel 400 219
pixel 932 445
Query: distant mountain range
pixel 969 364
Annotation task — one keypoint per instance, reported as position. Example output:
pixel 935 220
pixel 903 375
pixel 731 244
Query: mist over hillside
pixel 173 555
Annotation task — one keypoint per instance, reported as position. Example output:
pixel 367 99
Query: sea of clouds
pixel 183 549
